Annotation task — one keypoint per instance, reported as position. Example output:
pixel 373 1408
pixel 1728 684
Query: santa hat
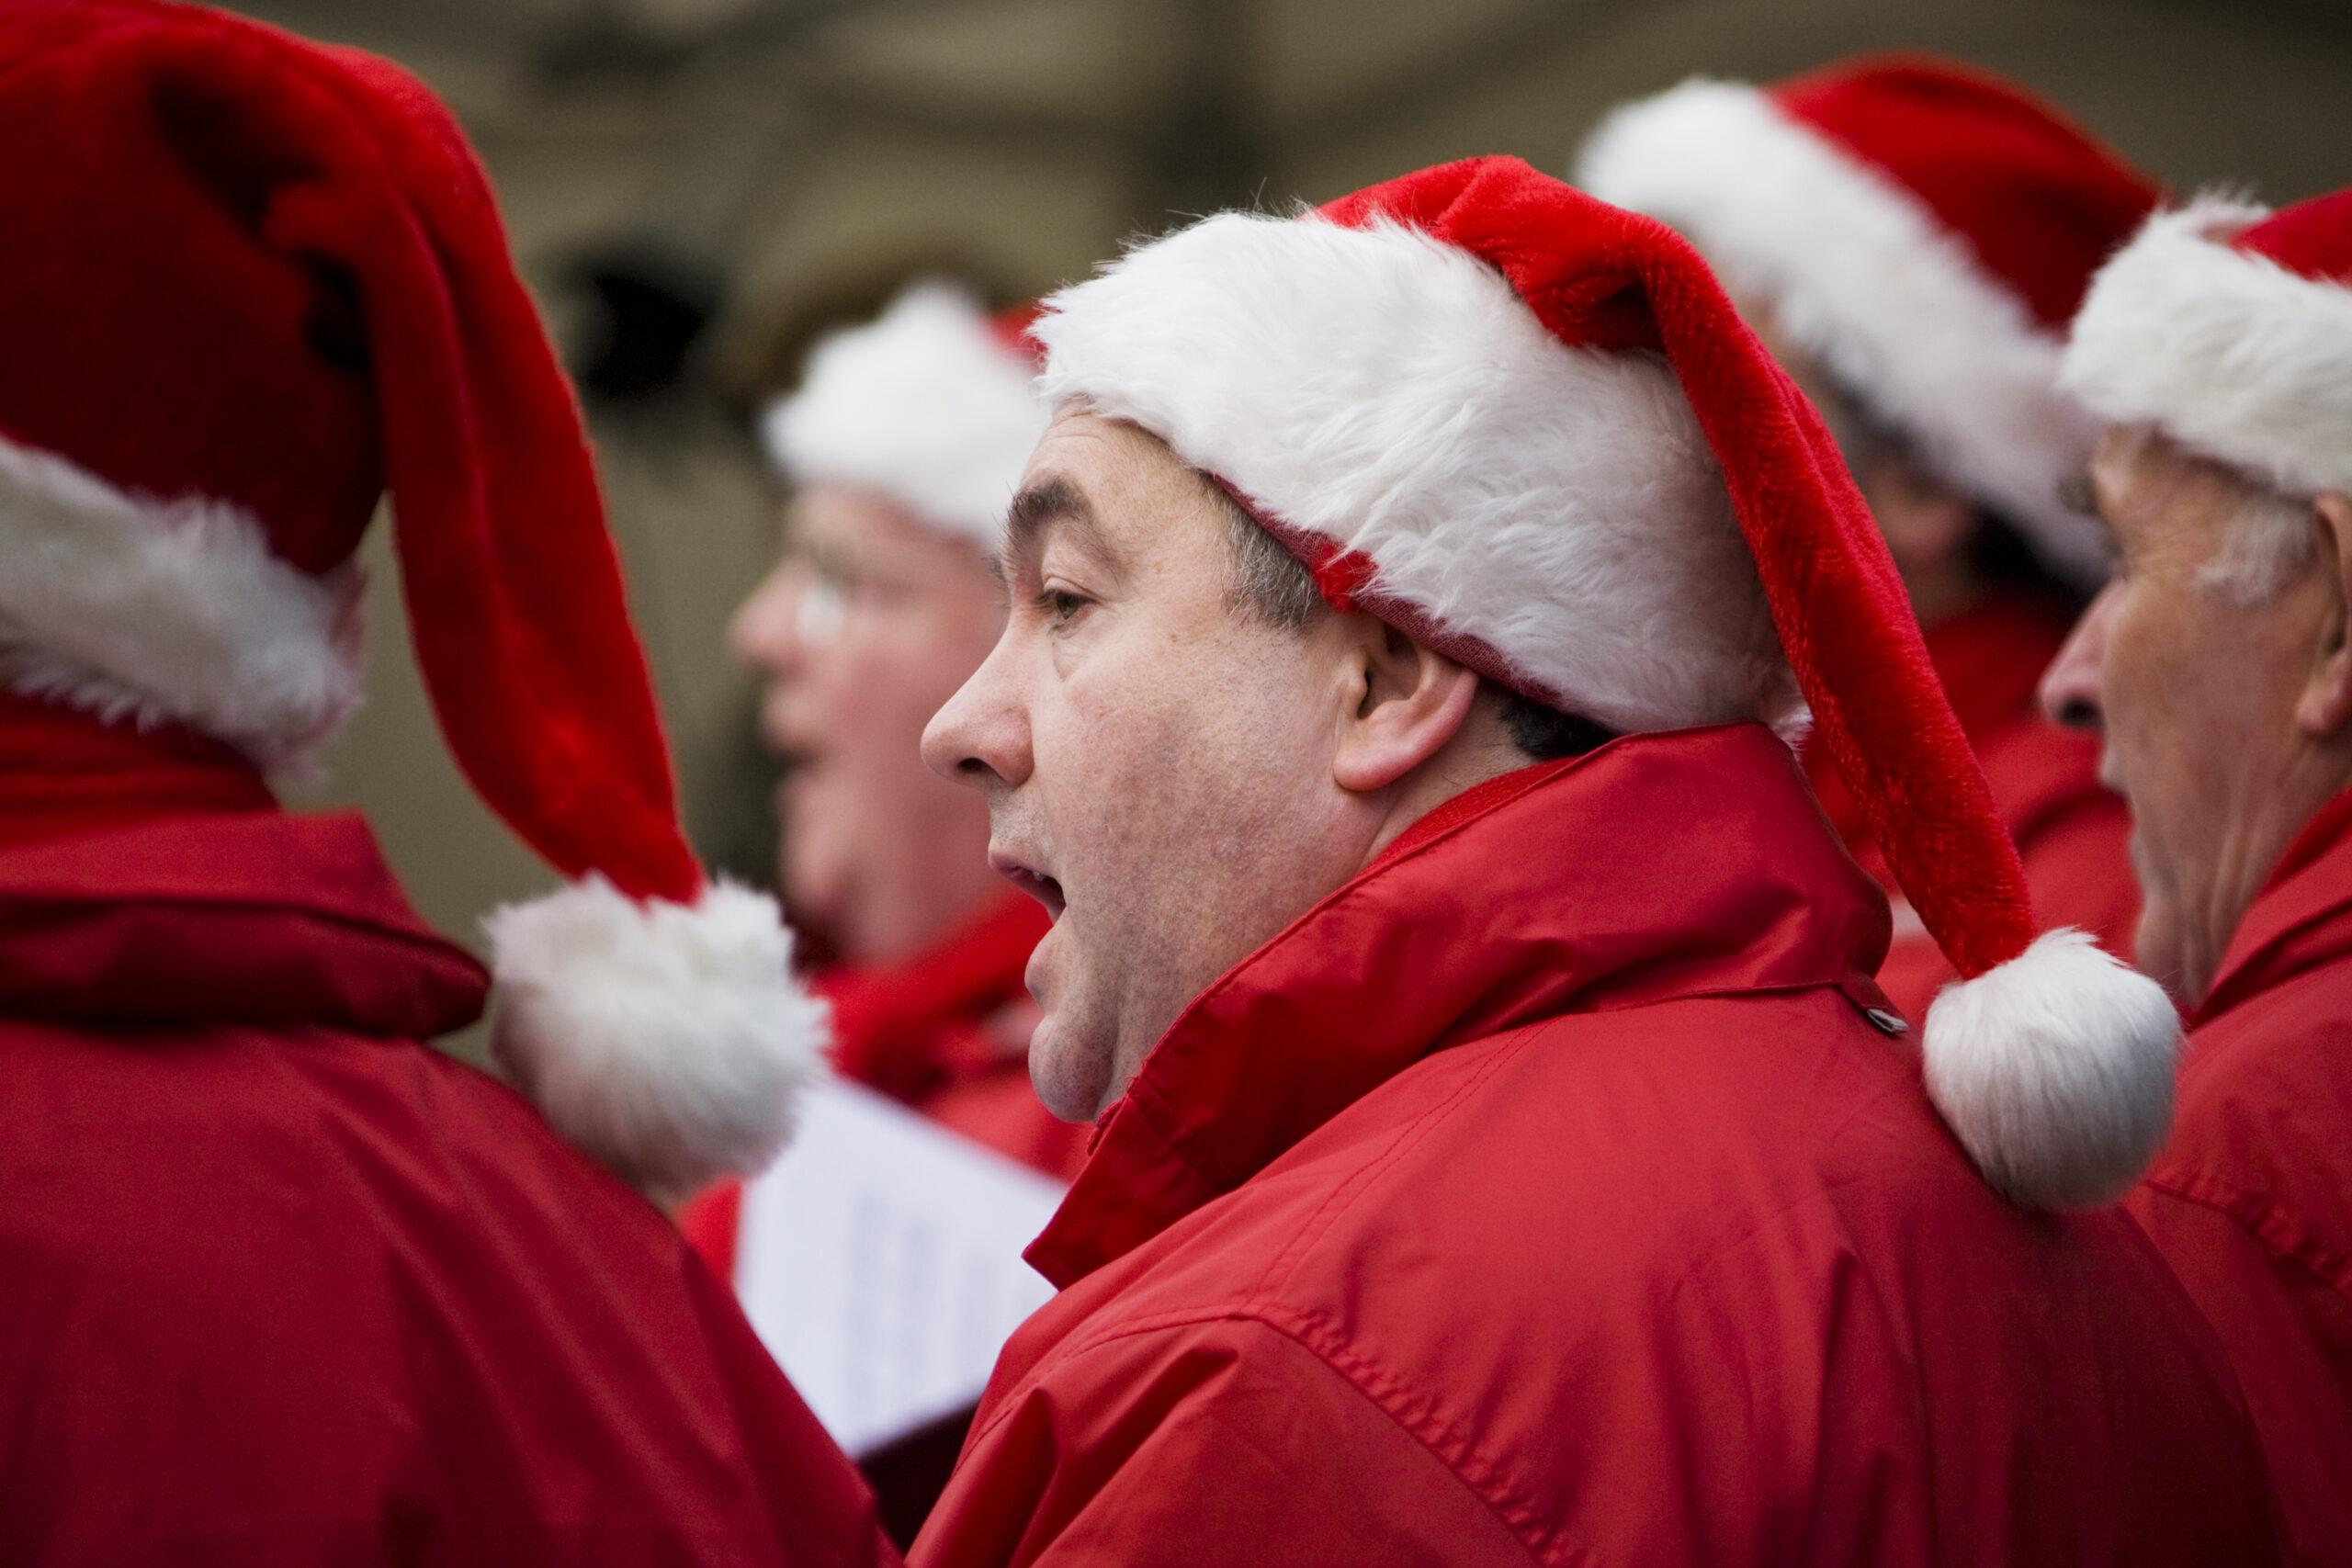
pixel 1924 231
pixel 1530 430
pixel 256 284
pixel 932 406
pixel 2230 328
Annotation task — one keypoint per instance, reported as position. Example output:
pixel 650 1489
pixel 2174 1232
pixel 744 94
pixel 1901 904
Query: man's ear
pixel 1409 702
pixel 2325 706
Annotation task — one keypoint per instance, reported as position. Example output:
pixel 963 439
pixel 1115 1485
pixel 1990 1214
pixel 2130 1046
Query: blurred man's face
pixel 2196 693
pixel 868 624
pixel 1158 768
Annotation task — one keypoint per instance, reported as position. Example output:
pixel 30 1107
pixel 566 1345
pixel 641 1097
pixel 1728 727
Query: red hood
pixel 248 918
pixel 2301 918
pixel 1665 865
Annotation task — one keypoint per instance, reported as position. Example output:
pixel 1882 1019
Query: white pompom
pixel 2055 1070
pixel 665 1041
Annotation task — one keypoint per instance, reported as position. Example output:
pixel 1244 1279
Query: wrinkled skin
pixel 865 627
pixel 2224 722
pixel 1173 780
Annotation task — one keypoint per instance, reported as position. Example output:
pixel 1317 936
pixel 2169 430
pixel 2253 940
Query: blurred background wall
pixel 694 186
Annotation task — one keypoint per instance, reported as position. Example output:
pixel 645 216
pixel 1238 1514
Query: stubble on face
pixel 1158 768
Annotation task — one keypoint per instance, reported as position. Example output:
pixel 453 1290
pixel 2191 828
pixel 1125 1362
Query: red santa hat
pixel 1531 430
pixel 1924 231
pixel 256 285
pixel 932 406
pixel 2230 328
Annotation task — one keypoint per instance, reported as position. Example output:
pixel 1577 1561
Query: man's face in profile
pixel 1158 766
pixel 869 621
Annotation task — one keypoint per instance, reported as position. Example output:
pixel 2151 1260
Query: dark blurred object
pixel 908 1473
pixel 651 309
pixel 771 350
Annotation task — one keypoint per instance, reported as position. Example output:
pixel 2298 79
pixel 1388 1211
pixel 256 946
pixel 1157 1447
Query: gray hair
pixel 2268 542
pixel 1266 581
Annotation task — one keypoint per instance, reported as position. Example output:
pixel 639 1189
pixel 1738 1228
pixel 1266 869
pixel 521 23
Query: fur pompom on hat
pixel 261 284
pixel 1925 230
pixel 1530 430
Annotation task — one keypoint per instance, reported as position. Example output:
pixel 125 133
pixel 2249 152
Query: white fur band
pixel 154 610
pixel 665 1041
pixel 1393 395
pixel 2055 1070
pixel 1862 276
pixel 925 406
pixel 2229 352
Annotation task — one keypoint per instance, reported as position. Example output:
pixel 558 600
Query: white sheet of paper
pixel 880 1261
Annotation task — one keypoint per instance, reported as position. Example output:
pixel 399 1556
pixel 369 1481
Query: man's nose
pixel 762 633
pixel 980 736
pixel 2070 686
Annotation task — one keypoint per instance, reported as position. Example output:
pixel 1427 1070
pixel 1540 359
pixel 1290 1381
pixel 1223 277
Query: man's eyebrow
pixel 1049 500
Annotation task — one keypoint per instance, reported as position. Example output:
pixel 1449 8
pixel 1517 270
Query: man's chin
pixel 1072 1083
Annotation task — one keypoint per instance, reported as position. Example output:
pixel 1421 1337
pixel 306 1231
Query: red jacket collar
pixel 250 917
pixel 64 772
pixel 1659 867
pixel 2301 919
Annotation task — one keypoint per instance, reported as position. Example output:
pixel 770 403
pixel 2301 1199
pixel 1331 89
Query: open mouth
pixel 1035 883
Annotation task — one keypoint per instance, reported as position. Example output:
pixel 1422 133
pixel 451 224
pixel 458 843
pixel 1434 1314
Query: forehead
pixel 2147 481
pixel 836 518
pixel 1111 485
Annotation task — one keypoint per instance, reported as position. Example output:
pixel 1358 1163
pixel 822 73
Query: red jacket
pixel 2072 831
pixel 2252 1202
pixel 279 1285
pixel 1545 1194
pixel 945 1032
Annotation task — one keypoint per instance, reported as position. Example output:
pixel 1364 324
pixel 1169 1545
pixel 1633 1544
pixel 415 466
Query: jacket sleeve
pixel 2287 1328
pixel 1208 1443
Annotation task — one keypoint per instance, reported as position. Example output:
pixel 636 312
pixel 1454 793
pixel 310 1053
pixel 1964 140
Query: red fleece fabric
pixel 2038 199
pixel 1598 277
pixel 2072 832
pixel 272 274
pixel 2312 238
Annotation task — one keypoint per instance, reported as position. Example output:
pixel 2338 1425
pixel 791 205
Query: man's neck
pixel 1481 749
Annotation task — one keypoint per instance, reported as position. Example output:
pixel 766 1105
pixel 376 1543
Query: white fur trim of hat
pixel 926 406
pixel 1862 275
pixel 150 610
pixel 1394 396
pixel 2229 352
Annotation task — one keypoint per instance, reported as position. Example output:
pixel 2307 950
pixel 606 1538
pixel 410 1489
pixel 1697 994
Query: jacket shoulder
pixel 377 1287
pixel 2259 1131
pixel 1729 1229
pixel 1219 1437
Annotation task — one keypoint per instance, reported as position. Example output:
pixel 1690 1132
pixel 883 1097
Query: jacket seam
pixel 1300 1332
pixel 1346 1194
pixel 2294 1248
